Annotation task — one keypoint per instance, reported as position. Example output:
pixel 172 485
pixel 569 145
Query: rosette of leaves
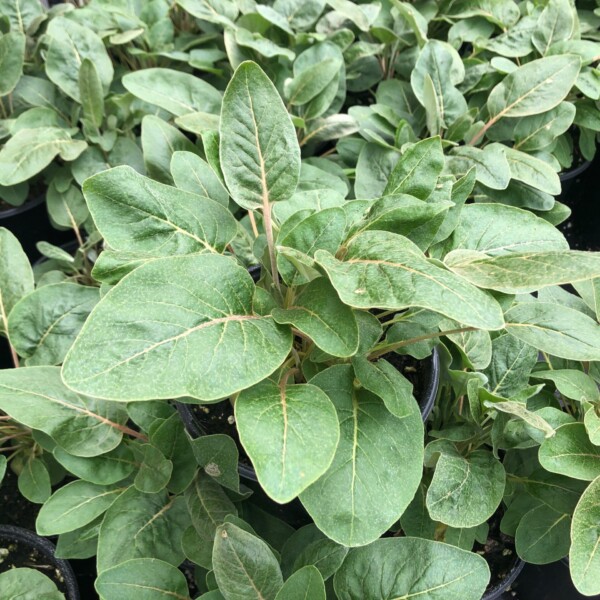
pixel 65 121
pixel 510 93
pixel 517 429
pixel 343 284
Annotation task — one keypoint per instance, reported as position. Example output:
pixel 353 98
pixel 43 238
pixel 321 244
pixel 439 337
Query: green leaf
pixel 532 171
pixel 91 93
pixel 465 491
pixel 290 433
pixel 198 325
pixel 534 88
pixel 34 481
pixel 30 151
pixel 75 505
pixel 28 584
pixel 570 452
pixel 558 330
pixel 218 455
pixel 135 214
pixel 542 535
pixel 318 312
pixel 385 270
pixel 572 384
pixel 12 55
pixel 140 525
pixel 442 63
pixel 208 506
pixel 376 469
pixel 522 272
pixel 21 13
pixel 417 170
pixel 437 571
pixel 385 381
pixel 69 45
pixel 259 151
pixel 303 584
pixel 300 13
pixel 177 92
pixel 312 81
pixel 496 229
pixel 16 276
pixel 584 556
pixel 557 22
pixel 192 174
pixel 159 142
pixel 154 472
pixel 37 398
pixel 44 324
pixel 373 169
pixel 539 131
pixel 221 12
pixel 324 554
pixel 492 168
pixel 244 566
pixel 142 579
pixel 105 469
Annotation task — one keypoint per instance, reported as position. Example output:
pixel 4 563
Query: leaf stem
pixel 268 225
pixel 253 223
pixel 382 349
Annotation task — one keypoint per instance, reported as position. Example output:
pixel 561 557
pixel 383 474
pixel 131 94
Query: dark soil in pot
pixel 501 556
pixel 15 509
pixel 30 224
pixel 23 548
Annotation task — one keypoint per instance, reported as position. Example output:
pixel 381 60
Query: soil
pixel 16 553
pixel 16 510
pixel 501 556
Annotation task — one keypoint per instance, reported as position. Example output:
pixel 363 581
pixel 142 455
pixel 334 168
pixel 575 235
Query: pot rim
pixel 572 173
pixel 500 587
pixel 31 538
pixel 27 205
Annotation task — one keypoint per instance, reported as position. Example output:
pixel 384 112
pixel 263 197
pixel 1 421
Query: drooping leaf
pixel 244 566
pixel 136 214
pixel 174 91
pixel 385 270
pixel 205 320
pixel 403 568
pixel 370 482
pixel 83 426
pixel 44 324
pixel 290 433
pixel 584 555
pixel 259 151
pixel 142 579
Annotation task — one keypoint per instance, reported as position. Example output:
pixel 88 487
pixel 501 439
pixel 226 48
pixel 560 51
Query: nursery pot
pixel 30 224
pixel 569 178
pixel 496 592
pixel 26 549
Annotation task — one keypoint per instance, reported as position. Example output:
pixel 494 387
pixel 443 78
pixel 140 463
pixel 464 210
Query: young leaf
pixel 534 88
pixel 177 92
pixel 380 570
pixel 571 453
pixel 44 324
pixel 83 426
pixel 135 214
pixel 385 270
pixel 417 170
pixel 75 505
pixel 259 151
pixel 142 579
pixel 205 321
pixel 218 455
pixel 244 566
pixel 154 472
pixel 558 330
pixel 290 433
pixel 91 93
pixel 12 55
pixel 34 481
pixel 16 276
pixel 370 482
pixel 584 555
pixel 304 583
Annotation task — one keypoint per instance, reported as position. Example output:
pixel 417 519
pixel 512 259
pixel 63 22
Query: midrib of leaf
pixel 203 503
pixel 354 451
pixel 157 515
pixel 431 589
pixel 547 531
pixel 140 586
pixel 190 108
pixel 457 489
pixel 86 501
pixel 282 395
pixel 36 148
pixel 259 596
pixel 509 370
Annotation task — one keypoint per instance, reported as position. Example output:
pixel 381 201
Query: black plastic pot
pixel 44 548
pixel 30 224
pixel 568 179
pixel 499 591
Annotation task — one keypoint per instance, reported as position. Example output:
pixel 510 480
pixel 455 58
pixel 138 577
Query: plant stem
pixel 385 348
pixel 268 225
pixel 253 223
